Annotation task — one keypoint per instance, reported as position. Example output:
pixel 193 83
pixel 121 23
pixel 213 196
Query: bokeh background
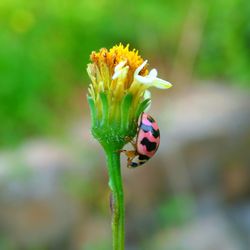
pixel 194 194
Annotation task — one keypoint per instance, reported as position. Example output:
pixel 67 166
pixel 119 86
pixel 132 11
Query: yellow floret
pixel 112 57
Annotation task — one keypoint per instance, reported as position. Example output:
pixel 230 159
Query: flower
pixel 118 92
pixel 117 95
pixel 151 79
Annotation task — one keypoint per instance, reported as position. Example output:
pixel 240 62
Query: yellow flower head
pixel 119 71
pixel 111 58
pixel 118 92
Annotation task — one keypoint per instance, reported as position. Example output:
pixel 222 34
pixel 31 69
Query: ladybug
pixel 147 141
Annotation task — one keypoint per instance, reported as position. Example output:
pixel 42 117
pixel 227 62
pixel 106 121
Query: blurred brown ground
pixel 194 194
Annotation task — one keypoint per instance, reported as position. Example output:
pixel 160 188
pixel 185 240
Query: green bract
pixel 113 124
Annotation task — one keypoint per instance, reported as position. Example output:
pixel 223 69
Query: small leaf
pixel 125 108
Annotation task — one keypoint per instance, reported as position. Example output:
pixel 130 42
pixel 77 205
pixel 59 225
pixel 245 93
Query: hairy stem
pixel 117 199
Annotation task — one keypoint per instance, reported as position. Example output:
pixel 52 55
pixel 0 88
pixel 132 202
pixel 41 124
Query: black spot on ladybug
pixel 150 118
pixel 151 146
pixel 155 133
pixel 133 164
pixel 143 157
pixel 146 128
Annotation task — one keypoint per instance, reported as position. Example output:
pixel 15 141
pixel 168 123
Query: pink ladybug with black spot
pixel 147 141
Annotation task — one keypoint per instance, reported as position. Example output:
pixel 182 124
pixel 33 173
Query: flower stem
pixel 117 199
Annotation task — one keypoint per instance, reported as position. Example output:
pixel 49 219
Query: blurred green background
pixel 45 47
pixel 202 47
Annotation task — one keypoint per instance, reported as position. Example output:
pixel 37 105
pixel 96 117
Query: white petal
pixel 153 73
pixel 119 73
pixel 137 71
pixel 120 65
pixel 151 79
pixel 147 80
pixel 161 84
pixel 119 68
pixel 147 95
pixel 116 74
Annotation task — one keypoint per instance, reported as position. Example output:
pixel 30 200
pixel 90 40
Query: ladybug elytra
pixel 147 141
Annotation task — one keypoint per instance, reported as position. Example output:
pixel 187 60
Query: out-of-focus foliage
pixel 176 210
pixel 45 47
pixel 225 48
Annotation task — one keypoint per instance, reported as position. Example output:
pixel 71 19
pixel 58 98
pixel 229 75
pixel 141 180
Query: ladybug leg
pixel 129 139
pixel 132 141
pixel 130 154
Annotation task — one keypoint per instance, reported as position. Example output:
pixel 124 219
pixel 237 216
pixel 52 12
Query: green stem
pixel 117 200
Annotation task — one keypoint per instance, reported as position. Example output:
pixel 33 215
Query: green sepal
pixel 142 106
pixel 105 109
pixel 125 111
pixel 93 114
